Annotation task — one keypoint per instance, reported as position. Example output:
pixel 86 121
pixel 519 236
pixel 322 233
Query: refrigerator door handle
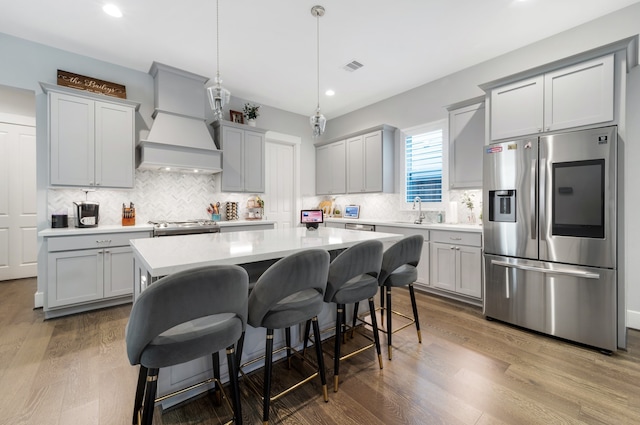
pixel 534 229
pixel 542 199
pixel 565 272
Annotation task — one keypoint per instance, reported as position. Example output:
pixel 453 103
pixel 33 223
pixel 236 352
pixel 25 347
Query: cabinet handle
pixel 457 248
pixel 455 238
pixel 452 248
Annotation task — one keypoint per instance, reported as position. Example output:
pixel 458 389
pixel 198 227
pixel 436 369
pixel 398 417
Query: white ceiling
pixel 268 48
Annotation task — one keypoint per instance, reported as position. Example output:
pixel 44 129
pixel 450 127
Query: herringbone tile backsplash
pixel 156 195
pixel 175 196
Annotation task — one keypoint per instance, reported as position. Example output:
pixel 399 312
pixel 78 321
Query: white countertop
pixel 428 226
pixel 108 228
pixel 163 256
pixel 117 228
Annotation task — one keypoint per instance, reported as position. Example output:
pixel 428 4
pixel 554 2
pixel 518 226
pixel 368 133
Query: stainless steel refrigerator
pixel 549 208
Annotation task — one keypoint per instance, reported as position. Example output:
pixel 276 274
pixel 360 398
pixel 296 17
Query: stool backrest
pixel 182 297
pixel 297 272
pixel 405 251
pixel 362 258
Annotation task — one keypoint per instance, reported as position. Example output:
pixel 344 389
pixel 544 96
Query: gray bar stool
pixel 399 269
pixel 182 317
pixel 353 277
pixel 290 292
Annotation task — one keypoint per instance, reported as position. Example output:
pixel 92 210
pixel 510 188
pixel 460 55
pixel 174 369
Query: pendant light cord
pixel 318 54
pixel 218 39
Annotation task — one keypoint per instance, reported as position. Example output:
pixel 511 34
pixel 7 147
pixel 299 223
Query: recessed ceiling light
pixel 329 92
pixel 112 10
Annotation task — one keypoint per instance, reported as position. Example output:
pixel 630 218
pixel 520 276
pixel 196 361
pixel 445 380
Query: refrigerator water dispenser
pixel 502 205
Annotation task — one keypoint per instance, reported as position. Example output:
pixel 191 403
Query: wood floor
pixel 74 370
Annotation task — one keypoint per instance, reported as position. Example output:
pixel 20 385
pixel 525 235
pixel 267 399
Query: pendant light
pixel 218 96
pixel 317 120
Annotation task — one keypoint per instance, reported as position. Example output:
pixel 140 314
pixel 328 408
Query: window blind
pixel 423 153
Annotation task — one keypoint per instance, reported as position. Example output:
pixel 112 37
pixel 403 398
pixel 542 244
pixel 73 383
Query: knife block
pixel 128 216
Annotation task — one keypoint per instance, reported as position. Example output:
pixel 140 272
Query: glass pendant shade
pixel 318 122
pixel 218 98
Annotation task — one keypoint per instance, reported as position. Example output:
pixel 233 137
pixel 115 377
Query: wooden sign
pixel 94 85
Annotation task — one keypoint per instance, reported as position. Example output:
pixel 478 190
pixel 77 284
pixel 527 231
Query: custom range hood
pixel 179 139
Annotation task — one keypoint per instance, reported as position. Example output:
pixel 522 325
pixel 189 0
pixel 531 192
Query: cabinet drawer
pixel 458 238
pixel 98 240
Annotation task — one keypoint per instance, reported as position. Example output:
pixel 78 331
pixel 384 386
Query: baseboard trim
pixel 38 300
pixel 633 319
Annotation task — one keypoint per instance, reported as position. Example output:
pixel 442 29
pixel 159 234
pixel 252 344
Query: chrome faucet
pixel 420 214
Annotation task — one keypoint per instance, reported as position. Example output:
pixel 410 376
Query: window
pixel 424 163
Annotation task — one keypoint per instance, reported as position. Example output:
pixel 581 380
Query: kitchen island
pixel 157 257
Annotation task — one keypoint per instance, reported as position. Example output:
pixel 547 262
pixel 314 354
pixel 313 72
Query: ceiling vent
pixel 352 66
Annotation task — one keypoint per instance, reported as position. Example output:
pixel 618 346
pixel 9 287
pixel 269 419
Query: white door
pixel 18 251
pixel 279 198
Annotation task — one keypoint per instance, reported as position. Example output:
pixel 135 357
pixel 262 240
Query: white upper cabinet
pixel 91 139
pixel 243 157
pixel 466 143
pixel 578 95
pixel 517 108
pixel 331 169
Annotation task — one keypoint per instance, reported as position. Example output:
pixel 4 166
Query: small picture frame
pixel 237 117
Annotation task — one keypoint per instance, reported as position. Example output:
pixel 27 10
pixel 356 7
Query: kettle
pixel 86 213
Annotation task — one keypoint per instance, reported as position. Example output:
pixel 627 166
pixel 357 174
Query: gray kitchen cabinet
pixel 243 157
pixel 466 143
pixel 91 138
pixel 370 162
pixel 331 169
pixel 361 162
pixel 85 272
pixel 573 96
pixel 456 262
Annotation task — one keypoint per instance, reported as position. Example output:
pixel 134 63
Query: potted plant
pixel 250 112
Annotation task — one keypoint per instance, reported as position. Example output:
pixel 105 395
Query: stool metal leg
pixel 217 391
pixel 239 348
pixel 307 332
pixel 235 390
pixel 338 341
pixel 137 404
pixel 267 376
pixel 287 339
pixel 374 324
pixel 382 294
pixel 415 311
pixel 150 396
pixel 320 356
pixel 389 330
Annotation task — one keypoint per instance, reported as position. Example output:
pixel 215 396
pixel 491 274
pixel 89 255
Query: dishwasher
pixel 363 227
